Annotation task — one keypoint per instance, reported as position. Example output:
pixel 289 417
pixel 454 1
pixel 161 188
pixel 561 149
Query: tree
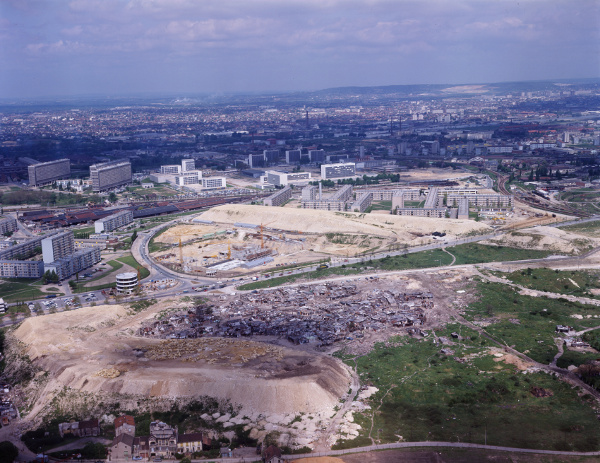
pixel 8 452
pixel 530 178
pixel 112 197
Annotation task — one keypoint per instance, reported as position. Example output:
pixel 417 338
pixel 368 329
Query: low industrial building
pixel 286 178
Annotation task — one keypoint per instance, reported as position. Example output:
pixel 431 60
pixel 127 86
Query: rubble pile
pixel 321 313
pixel 213 350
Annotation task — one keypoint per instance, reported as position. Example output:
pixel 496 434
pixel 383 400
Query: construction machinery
pixel 262 226
pixel 180 253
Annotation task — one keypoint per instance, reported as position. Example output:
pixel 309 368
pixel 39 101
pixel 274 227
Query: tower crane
pixel 262 241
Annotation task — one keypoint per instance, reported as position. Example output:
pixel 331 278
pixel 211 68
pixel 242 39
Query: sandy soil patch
pixel 95 350
pixel 547 239
pixel 321 460
pixel 313 221
pixel 501 356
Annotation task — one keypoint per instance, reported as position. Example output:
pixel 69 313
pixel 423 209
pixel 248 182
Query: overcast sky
pixel 119 47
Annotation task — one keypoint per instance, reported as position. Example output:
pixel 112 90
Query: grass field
pixel 381 206
pixel 591 229
pixel 467 396
pixel 472 253
pixel 526 323
pixel 576 283
pixel 21 289
pixel 130 260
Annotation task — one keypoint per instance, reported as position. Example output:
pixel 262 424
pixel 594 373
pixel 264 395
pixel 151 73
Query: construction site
pixel 237 240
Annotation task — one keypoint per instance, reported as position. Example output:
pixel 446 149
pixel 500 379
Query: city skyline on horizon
pixel 120 47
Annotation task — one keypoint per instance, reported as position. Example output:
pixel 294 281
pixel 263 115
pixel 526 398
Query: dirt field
pixel 547 239
pixel 314 221
pixel 94 350
pixel 443 455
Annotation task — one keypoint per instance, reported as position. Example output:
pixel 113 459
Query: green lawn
pixel 576 283
pixel 466 396
pixel 472 253
pixel 527 323
pixel 130 260
pixel 381 206
pixel 591 229
pixel 21 289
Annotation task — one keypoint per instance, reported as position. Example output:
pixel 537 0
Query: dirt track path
pixel 323 443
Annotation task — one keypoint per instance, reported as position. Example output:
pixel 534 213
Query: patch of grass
pixel 591 229
pixel 381 206
pixel 21 289
pixel 525 322
pixel 468 396
pixel 576 283
pixel 130 260
pixel 571 357
pixel 153 246
pixel 474 253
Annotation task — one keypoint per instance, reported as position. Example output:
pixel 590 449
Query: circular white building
pixel 127 282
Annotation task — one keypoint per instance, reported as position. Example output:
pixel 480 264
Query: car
pixel 157 459
pixel 136 458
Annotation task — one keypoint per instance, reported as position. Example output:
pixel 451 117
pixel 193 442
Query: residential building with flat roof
pixel 286 178
pixel 188 165
pixel 170 169
pixel 46 172
pixel 110 175
pixel 293 156
pixel 189 178
pixel 21 268
pixel 345 169
pixel 7 225
pixel 213 183
pixel 77 261
pixel 114 221
pixel 278 198
pixel 58 246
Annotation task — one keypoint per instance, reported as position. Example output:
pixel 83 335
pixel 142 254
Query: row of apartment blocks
pixel 186 175
pixel 439 203
pixel 58 254
pixel 272 156
pixel 278 198
pixel 103 176
pixel 114 221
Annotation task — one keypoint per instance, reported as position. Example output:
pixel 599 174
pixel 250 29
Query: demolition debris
pixel 322 314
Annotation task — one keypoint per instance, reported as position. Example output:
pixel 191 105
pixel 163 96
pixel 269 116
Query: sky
pixel 186 47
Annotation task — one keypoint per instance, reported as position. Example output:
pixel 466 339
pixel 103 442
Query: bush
pixel 8 452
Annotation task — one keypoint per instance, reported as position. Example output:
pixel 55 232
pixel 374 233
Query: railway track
pixel 538 202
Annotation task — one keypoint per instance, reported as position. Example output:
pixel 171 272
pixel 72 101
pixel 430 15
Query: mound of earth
pixel 94 350
pixel 316 221
pixel 546 239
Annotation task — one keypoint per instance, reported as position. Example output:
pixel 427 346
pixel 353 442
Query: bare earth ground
pixel 93 350
pixel 315 221
pixel 455 456
pixel 547 239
